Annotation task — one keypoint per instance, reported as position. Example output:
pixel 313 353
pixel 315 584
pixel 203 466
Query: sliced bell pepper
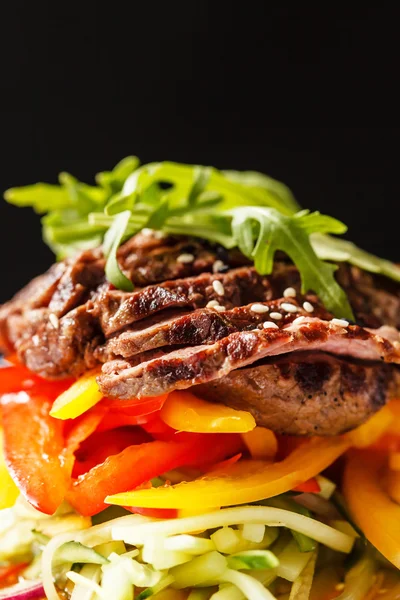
pixel 311 485
pixel 244 482
pixel 9 574
pixel 392 485
pixel 394 461
pixel 155 513
pixel 370 432
pixel 100 445
pixel 78 430
pixel 261 443
pixel 8 490
pixel 371 508
pixel 33 450
pixel 184 411
pixel 137 407
pixel 18 378
pixel 78 398
pixel 138 464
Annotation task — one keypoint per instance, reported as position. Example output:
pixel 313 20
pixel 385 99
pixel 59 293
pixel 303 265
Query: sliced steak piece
pixel 200 364
pixel 184 258
pixel 62 347
pixel 36 294
pixel 375 299
pixel 117 310
pixel 307 393
pixel 202 326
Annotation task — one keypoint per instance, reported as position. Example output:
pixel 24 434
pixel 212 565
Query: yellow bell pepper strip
pixel 372 509
pixel 8 490
pixel 370 432
pixel 184 411
pixel 261 443
pixel 244 482
pixel 77 399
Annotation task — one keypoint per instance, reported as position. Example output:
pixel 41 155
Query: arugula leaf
pixel 42 197
pixel 114 180
pixel 260 232
pixel 338 250
pixel 112 241
pixel 272 186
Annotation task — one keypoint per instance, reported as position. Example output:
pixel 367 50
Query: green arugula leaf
pixel 42 197
pixel 112 241
pixel 114 180
pixel 338 250
pixel 272 186
pixel 289 234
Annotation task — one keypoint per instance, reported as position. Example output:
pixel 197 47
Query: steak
pixel 202 326
pixel 190 366
pixel 190 322
pixel 309 393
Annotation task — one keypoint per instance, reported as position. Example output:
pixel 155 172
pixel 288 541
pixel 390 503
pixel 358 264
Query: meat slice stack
pixel 201 316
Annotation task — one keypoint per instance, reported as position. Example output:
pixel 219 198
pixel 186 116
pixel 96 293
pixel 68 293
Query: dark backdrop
pixel 307 95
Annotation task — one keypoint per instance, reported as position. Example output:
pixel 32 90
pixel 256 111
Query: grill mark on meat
pixel 117 310
pixel 311 377
pixel 191 366
pixel 202 326
pixel 280 403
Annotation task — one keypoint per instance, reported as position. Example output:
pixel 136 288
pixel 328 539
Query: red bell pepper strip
pixel 76 431
pixel 99 446
pixel 9 574
pixel 155 513
pixel 33 448
pixel 18 378
pixel 138 464
pixel 136 407
pixel 311 485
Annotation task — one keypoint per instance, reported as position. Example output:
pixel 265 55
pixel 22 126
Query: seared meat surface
pixel 307 393
pixel 196 317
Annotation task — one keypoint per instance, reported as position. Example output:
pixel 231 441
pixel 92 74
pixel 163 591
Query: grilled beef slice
pixel 307 393
pixel 190 366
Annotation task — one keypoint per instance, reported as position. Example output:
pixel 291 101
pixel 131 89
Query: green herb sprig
pixel 248 210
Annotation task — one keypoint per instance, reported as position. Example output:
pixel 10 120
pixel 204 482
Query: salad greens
pixel 247 209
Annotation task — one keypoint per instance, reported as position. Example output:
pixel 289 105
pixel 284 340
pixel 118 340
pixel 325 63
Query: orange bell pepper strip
pixel 184 411
pixel 372 509
pixel 33 449
pixel 370 432
pixel 9 574
pixel 244 482
pixel 261 443
pixel 141 463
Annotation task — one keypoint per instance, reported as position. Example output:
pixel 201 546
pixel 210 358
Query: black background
pixel 306 94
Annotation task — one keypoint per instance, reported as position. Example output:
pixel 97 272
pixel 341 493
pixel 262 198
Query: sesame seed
pixel 270 325
pixel 340 322
pixel 185 258
pixel 219 308
pixel 276 316
pixel 212 304
pixel 147 231
pixel 218 266
pixel 289 293
pixel 308 307
pixel 290 308
pixel 298 320
pixel 259 308
pixel 218 288
pixel 159 235
pixel 54 320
